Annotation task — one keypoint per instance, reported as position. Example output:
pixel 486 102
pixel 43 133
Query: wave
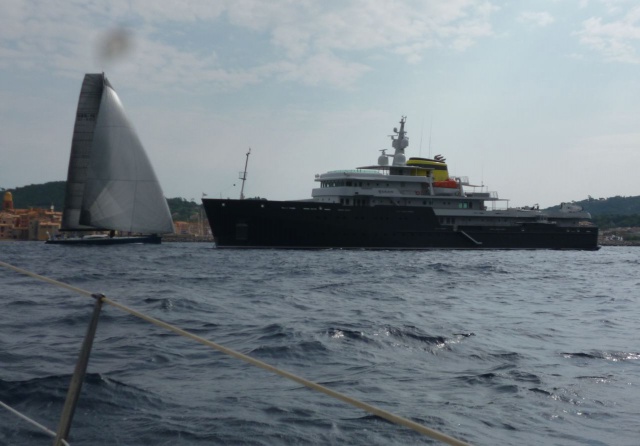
pixel 487 341
pixel 604 355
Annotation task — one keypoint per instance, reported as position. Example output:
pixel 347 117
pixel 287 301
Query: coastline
pixel 603 240
pixel 173 238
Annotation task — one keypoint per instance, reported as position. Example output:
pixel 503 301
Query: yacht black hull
pixel 311 225
pixel 106 241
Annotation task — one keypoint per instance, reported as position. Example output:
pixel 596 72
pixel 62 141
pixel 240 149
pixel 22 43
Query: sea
pixel 488 347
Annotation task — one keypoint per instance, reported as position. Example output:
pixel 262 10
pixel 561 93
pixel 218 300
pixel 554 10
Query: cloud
pixel 536 18
pixel 304 41
pixel 320 69
pixel 616 40
pixel 614 6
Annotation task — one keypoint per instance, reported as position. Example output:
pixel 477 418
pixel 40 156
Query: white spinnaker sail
pixel 121 191
pixel 81 144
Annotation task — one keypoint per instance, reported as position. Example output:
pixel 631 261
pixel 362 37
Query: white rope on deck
pixel 310 384
pixel 32 422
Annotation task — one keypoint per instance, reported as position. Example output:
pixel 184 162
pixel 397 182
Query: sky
pixel 537 100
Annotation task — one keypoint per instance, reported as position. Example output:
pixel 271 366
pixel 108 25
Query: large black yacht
pixel 398 203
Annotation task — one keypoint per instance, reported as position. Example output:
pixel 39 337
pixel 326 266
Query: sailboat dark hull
pixel 104 241
pixel 310 225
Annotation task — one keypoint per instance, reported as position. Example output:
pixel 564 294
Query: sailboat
pixel 111 185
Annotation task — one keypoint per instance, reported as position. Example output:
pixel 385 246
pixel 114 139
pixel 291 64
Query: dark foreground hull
pixel 310 225
pixel 151 239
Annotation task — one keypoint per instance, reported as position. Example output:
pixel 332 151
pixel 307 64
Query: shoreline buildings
pixel 36 224
pixel 27 224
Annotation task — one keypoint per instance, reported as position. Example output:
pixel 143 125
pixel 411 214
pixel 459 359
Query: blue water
pixel 496 347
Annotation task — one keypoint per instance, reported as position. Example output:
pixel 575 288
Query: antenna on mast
pixel 430 131
pixel 243 175
pixel 421 132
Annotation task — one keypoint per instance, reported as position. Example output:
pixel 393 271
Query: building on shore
pixel 27 224
pixel 38 224
pixel 190 231
pixel 620 237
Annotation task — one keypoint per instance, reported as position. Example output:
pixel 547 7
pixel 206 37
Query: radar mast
pixel 243 175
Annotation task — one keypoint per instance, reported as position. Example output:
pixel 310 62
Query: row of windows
pixel 349 183
pixel 354 201
pixel 393 200
pixel 363 202
pixel 370 218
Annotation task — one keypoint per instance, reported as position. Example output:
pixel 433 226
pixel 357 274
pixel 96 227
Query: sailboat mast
pixel 243 175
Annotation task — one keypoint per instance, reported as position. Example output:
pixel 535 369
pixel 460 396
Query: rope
pixel 32 422
pixel 310 384
pixel 46 279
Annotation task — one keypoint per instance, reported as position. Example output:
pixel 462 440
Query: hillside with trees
pixel 612 206
pixel 614 212
pixel 52 193
pixel 39 195
pixel 183 210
